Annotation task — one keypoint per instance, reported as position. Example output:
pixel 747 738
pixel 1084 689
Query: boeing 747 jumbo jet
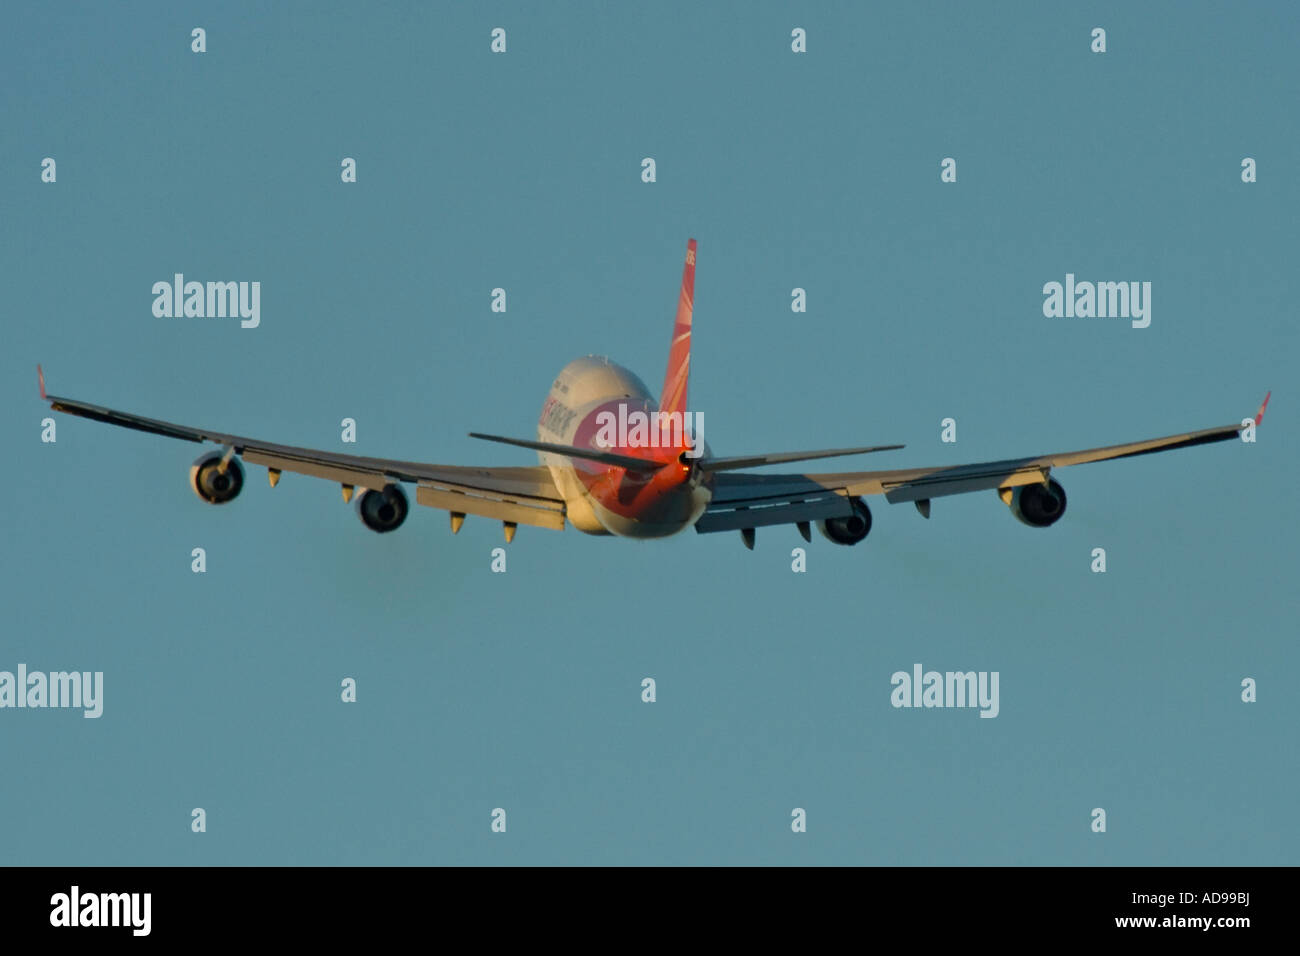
pixel 613 461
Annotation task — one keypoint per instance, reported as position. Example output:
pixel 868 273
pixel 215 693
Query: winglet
pixel 40 377
pixel 1259 415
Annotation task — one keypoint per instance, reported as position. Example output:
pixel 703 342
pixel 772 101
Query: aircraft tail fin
pixel 673 397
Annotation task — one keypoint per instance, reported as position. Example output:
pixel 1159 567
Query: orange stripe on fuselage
pixel 662 496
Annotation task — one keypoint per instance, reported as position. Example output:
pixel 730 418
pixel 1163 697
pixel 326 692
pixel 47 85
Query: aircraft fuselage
pixel 606 499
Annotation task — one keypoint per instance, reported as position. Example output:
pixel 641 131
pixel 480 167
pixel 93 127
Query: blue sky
pixel 522 690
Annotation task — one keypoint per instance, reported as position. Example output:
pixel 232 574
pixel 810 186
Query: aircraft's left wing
pixel 524 495
pixel 745 500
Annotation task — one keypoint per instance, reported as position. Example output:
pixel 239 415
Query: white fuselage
pixel 603 499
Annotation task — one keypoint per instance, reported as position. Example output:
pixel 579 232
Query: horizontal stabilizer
pixel 757 513
pixel 573 451
pixel 779 458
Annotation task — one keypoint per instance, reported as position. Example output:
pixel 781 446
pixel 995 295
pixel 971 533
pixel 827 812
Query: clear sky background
pixel 522 690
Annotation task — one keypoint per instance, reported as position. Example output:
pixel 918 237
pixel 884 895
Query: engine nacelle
pixel 851 528
pixel 213 483
pixel 383 510
pixel 1037 505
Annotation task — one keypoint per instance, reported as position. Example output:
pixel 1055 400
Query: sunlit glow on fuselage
pixel 662 499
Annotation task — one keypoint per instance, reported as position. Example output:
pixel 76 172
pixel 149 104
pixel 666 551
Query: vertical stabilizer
pixel 673 398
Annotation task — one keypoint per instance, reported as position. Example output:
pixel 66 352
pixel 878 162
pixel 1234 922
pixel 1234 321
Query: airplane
pixel 652 480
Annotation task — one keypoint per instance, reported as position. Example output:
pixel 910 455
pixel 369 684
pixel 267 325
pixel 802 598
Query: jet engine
pixel 214 483
pixel 1038 505
pixel 851 528
pixel 383 510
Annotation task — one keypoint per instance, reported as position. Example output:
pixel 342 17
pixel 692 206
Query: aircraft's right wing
pixel 745 500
